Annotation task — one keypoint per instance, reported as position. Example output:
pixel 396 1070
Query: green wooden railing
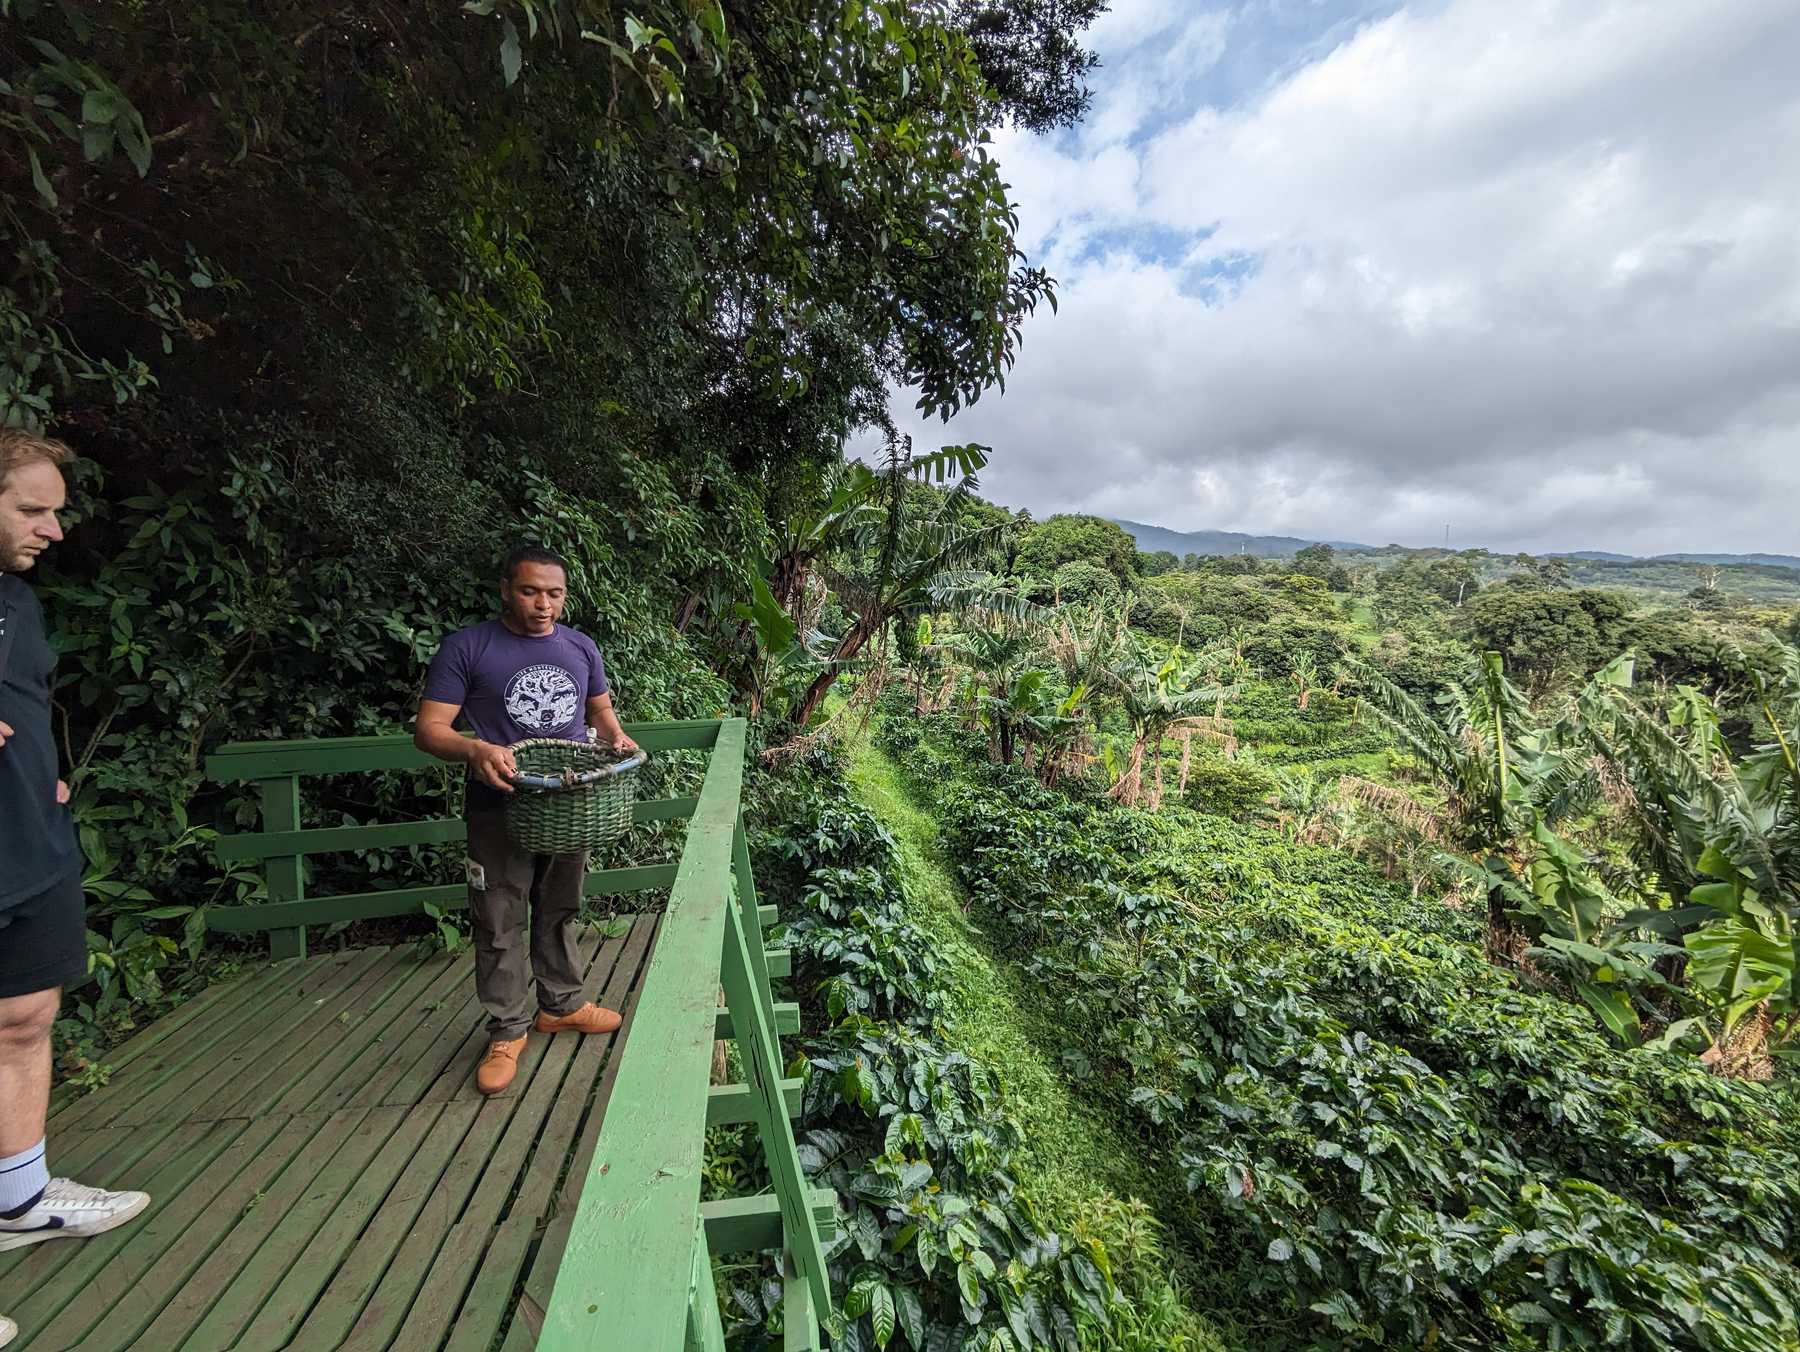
pixel 635 1270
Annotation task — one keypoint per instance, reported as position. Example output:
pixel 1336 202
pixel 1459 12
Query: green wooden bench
pixel 324 1174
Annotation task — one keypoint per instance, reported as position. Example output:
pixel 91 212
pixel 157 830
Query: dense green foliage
pixel 1048 545
pixel 339 303
pixel 938 1242
pixel 1385 1126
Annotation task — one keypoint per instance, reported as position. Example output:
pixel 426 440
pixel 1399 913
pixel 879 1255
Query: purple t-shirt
pixel 511 687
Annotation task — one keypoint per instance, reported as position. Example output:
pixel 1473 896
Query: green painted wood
pixel 372 1148
pixel 728 1104
pixel 313 1140
pixel 339 839
pixel 185 1055
pixel 424 1201
pixel 787 1020
pixel 548 1174
pixel 748 1224
pixel 434 831
pixel 747 996
pixel 260 1042
pixel 486 1304
pixel 187 1019
pixel 799 1320
pixel 704 1331
pixel 767 915
pixel 410 901
pixel 434 1264
pixel 285 875
pixel 577 1117
pixel 57 1272
pixel 361 1018
pixel 386 1043
pixel 393 1185
pixel 744 972
pixel 778 962
pixel 114 1303
pixel 239 761
pixel 623 1272
pixel 189 1015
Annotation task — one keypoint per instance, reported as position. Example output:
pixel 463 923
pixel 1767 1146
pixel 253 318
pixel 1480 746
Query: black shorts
pixel 43 941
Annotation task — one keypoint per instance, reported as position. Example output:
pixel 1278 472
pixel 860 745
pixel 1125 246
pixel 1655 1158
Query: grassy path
pixel 1075 1159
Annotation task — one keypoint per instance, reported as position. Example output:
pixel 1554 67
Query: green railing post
pixel 286 875
pixel 705 1332
pixel 744 974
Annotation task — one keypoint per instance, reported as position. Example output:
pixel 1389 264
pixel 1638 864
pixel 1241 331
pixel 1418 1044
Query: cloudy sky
pixel 1352 270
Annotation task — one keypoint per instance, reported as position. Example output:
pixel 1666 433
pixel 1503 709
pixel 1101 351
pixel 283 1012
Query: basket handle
pixel 553 783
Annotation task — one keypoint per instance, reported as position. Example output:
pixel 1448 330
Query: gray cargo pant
pixel 510 889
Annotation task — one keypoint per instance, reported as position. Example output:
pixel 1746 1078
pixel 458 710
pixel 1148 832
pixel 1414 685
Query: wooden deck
pixel 322 1172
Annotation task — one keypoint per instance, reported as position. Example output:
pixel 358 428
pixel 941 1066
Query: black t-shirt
pixel 37 837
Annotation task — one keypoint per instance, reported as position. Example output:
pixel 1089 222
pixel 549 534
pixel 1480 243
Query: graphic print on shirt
pixel 543 698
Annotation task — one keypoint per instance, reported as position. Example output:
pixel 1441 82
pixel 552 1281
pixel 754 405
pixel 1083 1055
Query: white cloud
pixel 1531 269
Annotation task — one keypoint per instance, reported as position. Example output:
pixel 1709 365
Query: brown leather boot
pixel 498 1067
pixel 590 1018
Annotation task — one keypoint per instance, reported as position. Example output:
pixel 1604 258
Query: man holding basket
pixel 521 675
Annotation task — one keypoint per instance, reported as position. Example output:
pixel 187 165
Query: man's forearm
pixel 446 744
pixel 606 722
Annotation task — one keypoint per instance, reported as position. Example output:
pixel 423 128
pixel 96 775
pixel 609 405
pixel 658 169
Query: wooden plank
pixel 728 1104
pixel 428 1274
pixel 549 1169
pixel 238 761
pixel 178 1057
pixel 285 876
pixel 486 1306
pixel 283 1022
pixel 359 1017
pixel 238 997
pixel 767 915
pixel 312 1142
pixel 339 839
pixel 425 1201
pixel 705 1333
pixel 115 1303
pixel 631 1245
pixel 440 1051
pixel 744 973
pixel 391 835
pixel 394 1184
pixel 787 1020
pixel 744 1224
pixel 778 963
pixel 407 1027
pixel 54 1273
pixel 409 901
pixel 799 1318
pixel 373 1149
pixel 188 1014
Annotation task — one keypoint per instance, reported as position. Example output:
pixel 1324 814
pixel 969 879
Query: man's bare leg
pixel 25 1022
pixel 33 1205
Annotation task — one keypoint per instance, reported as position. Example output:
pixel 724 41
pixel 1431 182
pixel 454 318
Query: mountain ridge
pixel 1153 538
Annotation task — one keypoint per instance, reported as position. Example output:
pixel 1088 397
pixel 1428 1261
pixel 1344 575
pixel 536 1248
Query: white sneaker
pixel 8 1330
pixel 67 1210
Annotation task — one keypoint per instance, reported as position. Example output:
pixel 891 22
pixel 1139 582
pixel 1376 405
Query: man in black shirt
pixel 43 928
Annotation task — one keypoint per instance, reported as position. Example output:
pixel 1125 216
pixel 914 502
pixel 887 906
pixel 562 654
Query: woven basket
pixel 570 796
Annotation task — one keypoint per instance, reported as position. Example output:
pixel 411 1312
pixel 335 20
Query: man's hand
pixel 5 732
pixel 62 793
pixel 493 765
pixel 623 745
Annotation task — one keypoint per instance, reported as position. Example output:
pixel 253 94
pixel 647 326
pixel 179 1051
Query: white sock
pixel 22 1177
